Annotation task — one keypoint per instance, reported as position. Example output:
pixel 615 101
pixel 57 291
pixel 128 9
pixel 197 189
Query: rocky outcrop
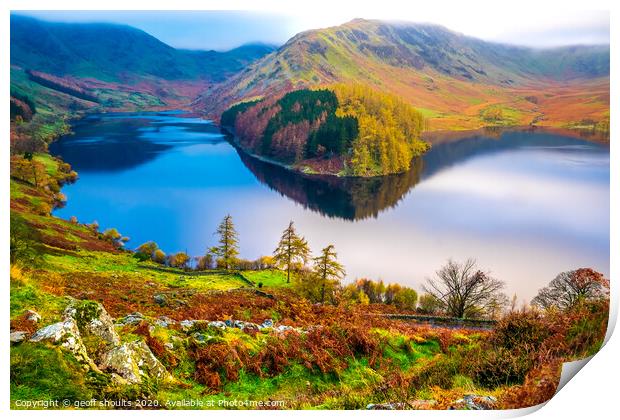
pixel 131 319
pixel 475 402
pixel 93 319
pixel 126 363
pixel 133 362
pixel 67 335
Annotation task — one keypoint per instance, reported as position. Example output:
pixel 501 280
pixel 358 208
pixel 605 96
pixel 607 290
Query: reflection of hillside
pixel 106 145
pixel 360 198
pixel 451 148
pixel 346 198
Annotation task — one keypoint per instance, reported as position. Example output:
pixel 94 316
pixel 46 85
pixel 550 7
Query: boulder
pixel 475 402
pixel 283 328
pixel 164 321
pixel 187 324
pixel 217 324
pixel 18 336
pixel 386 406
pixel 160 299
pixel 131 319
pixel 65 333
pixel 134 361
pixel 93 319
pixel 268 323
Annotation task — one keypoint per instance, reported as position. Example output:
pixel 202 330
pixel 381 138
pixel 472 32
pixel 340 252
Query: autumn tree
pixel 113 235
pixel 328 270
pixel 429 305
pixel 292 250
pixel 571 287
pixel 205 262
pixel 179 260
pixel 228 248
pixel 146 250
pixel 159 256
pixel 406 298
pixel 463 289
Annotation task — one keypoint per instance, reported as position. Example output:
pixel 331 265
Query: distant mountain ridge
pixel 433 67
pixel 112 52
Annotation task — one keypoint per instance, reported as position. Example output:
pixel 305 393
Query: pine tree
pixel 228 250
pixel 328 269
pixel 291 249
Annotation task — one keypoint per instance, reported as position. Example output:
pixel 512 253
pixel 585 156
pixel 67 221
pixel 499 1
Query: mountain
pixel 455 79
pixel 111 52
pixel 60 70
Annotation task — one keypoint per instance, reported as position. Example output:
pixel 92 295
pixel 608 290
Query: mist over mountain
pixel 114 52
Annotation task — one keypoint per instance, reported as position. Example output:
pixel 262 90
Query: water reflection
pixel 345 198
pixel 361 198
pixel 118 141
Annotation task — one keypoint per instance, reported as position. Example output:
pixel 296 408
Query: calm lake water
pixel 526 205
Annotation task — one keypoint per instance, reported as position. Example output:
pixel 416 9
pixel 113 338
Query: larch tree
pixel 328 269
pixel 292 249
pixel 228 248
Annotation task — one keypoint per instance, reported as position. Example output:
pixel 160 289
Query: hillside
pixel 116 53
pixel 59 71
pixel 456 80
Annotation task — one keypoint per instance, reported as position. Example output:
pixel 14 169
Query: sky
pixel 223 30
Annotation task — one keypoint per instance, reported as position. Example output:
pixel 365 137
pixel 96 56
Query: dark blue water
pixel 526 205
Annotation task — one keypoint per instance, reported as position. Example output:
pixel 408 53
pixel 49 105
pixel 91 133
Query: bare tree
pixel 463 289
pixel 571 287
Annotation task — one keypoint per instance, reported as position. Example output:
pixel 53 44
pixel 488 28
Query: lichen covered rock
pixel 93 319
pixel 134 361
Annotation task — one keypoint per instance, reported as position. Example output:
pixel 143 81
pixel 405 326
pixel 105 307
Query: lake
pixel 526 204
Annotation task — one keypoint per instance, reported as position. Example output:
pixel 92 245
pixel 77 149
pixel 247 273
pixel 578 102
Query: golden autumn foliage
pixel 389 130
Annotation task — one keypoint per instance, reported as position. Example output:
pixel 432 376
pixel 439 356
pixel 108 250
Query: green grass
pixel 269 278
pixel 27 297
pixel 42 373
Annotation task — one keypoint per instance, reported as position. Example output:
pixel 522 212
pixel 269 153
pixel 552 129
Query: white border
pixel 592 395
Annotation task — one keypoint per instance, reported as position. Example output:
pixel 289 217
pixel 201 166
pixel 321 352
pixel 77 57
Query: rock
pixel 65 333
pixel 422 404
pixel 283 328
pixel 187 324
pixel 475 402
pixel 131 319
pixel 93 319
pixel 386 406
pixel 169 346
pixel 160 299
pixel 164 321
pixel 32 316
pixel 268 323
pixel 133 361
pixel 201 337
pixel 217 324
pixel 18 336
